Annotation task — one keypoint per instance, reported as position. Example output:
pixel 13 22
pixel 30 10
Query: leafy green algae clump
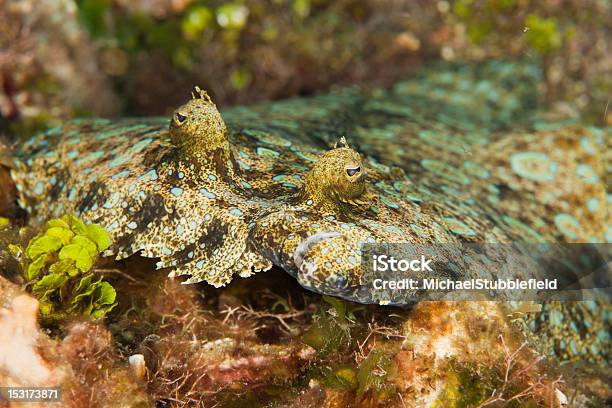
pixel 56 265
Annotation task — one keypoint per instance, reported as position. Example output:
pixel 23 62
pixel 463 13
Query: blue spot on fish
pixel 289 185
pixel 118 161
pixel 264 151
pixel 388 202
pixel 394 230
pixel 151 175
pixel 586 173
pixel 397 185
pixel 207 193
pixel 237 212
pixel 419 231
pixel 112 201
pixel 458 227
pixel 567 225
pixel 593 204
pixel 243 165
pixel 39 188
pixel 121 174
pixel 303 156
pixel 535 166
pixel 587 146
pixel 90 157
pixel 141 145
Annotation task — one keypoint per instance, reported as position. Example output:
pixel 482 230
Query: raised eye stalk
pixel 337 180
pixel 198 129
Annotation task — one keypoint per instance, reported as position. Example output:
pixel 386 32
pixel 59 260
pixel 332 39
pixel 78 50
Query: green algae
pixel 57 268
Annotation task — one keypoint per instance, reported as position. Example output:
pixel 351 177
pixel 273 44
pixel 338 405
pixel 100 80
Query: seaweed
pixel 57 267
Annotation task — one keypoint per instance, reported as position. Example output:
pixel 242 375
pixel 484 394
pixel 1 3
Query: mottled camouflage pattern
pixel 454 154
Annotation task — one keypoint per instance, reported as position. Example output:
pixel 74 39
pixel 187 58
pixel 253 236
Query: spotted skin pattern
pixel 455 154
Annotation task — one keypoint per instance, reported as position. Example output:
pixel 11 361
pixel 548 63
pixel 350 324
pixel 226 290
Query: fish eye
pixel 351 171
pixel 179 118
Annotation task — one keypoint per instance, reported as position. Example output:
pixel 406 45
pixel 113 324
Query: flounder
pixel 454 155
pixel 211 202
